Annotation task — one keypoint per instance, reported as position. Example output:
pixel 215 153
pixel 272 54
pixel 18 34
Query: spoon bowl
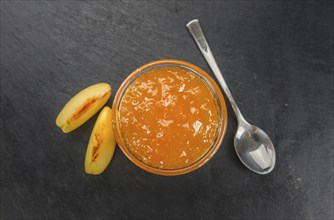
pixel 254 148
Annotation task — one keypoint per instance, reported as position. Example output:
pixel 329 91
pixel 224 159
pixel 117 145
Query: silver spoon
pixel 252 145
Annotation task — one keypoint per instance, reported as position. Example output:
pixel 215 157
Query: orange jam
pixel 169 117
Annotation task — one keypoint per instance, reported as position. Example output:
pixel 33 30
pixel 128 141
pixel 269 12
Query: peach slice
pixel 83 106
pixel 101 146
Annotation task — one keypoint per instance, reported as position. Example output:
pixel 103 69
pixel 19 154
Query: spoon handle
pixel 196 31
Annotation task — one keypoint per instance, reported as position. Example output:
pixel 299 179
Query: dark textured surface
pixel 277 58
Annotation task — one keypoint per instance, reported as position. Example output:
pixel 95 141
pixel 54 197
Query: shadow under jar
pixel 169 117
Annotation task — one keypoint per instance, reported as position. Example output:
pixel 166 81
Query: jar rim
pixel 212 86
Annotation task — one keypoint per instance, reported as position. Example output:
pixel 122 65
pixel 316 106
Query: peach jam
pixel 169 117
